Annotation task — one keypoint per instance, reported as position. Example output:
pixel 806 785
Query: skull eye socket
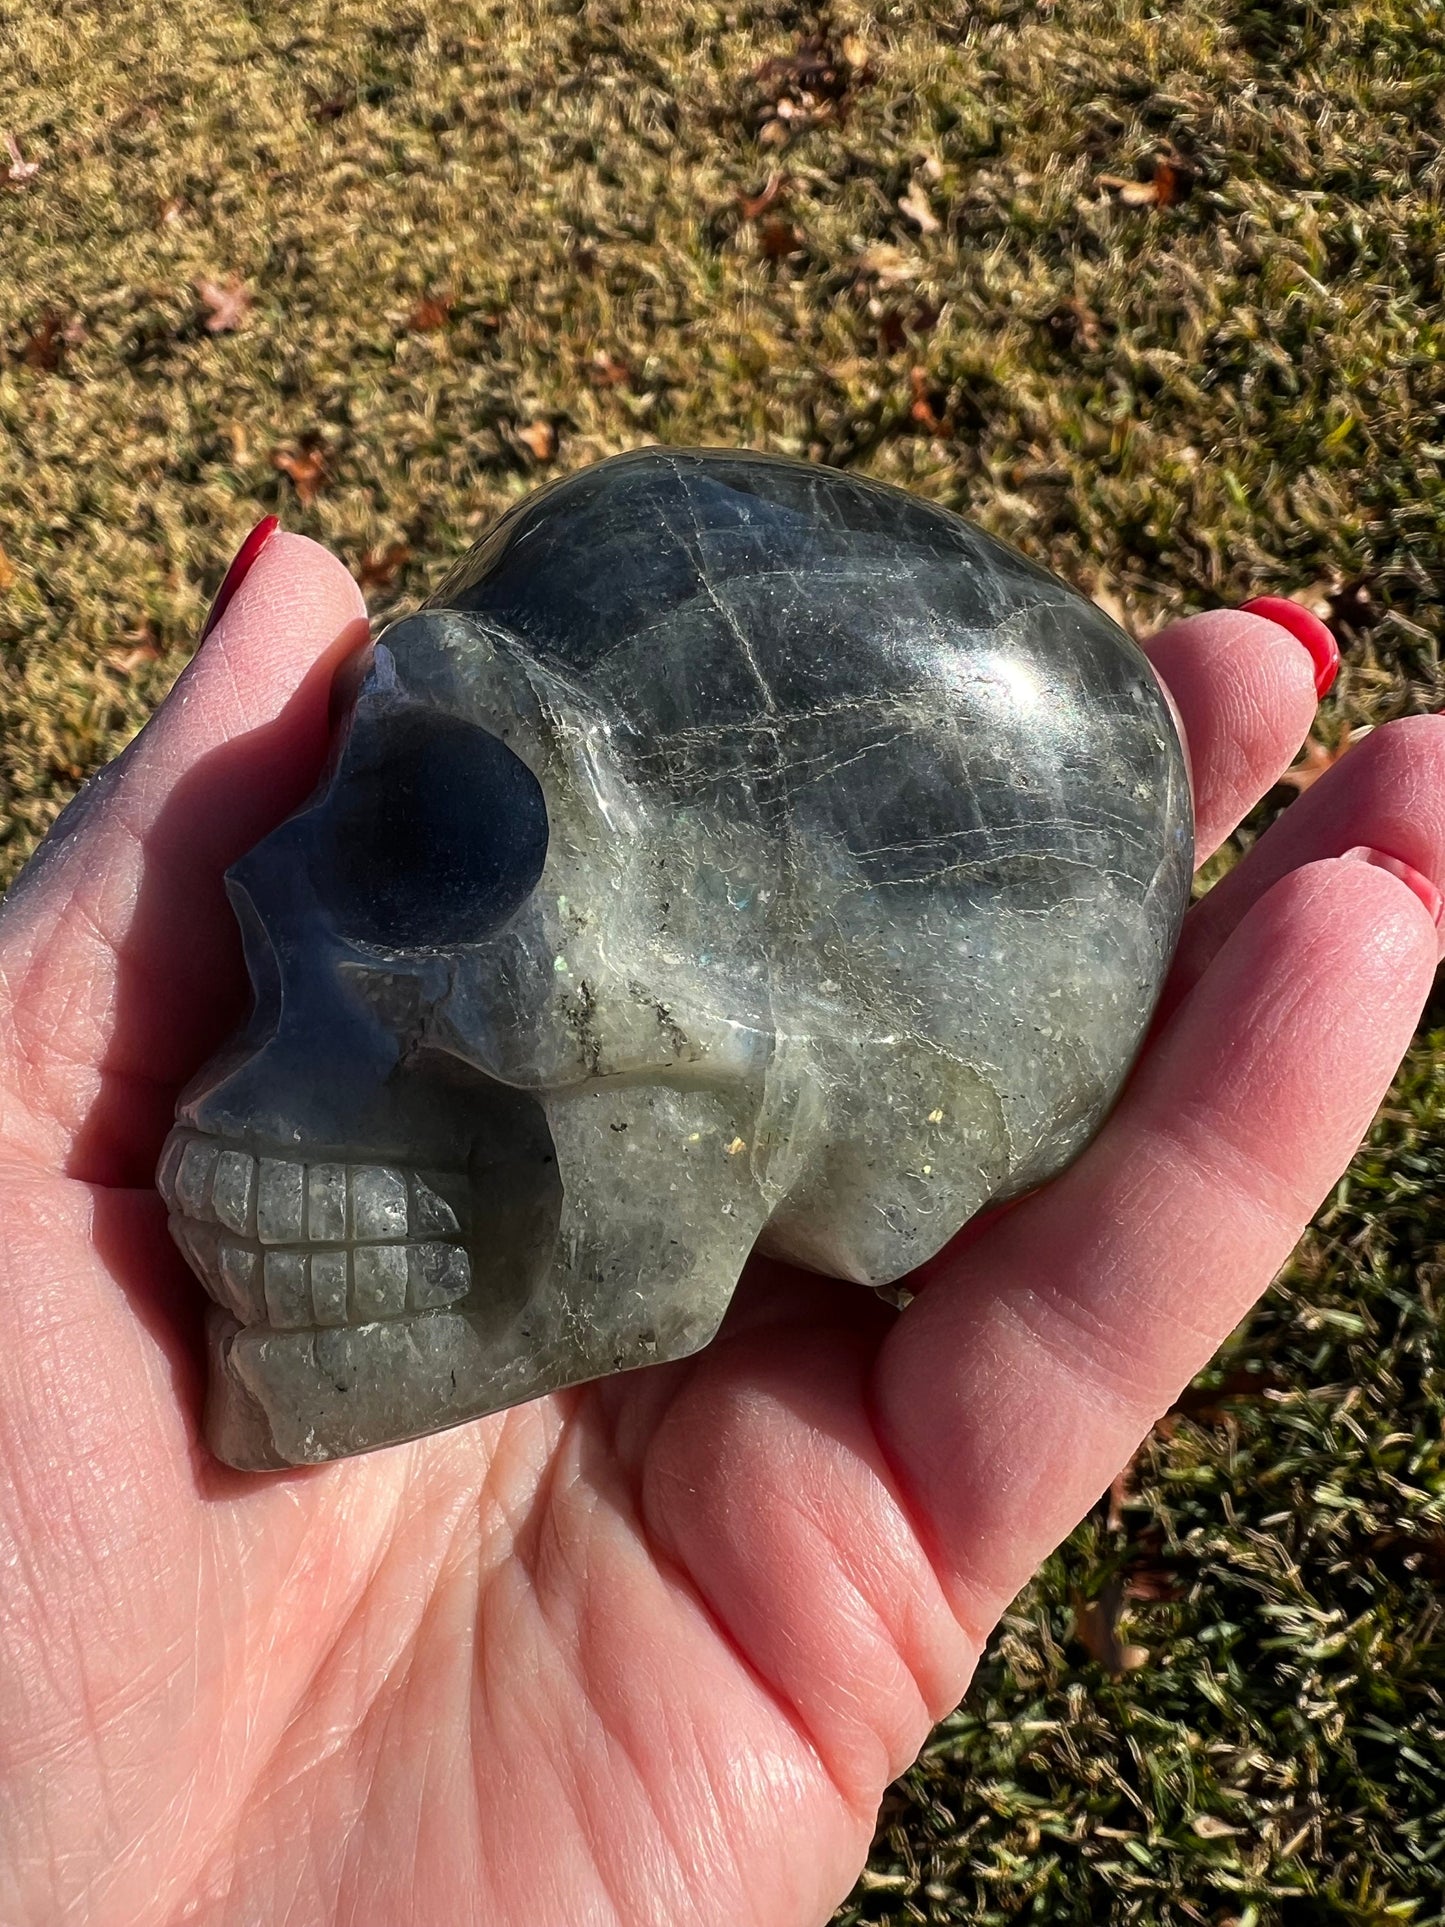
pixel 433 833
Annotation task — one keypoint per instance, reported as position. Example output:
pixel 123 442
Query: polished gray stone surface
pixel 731 852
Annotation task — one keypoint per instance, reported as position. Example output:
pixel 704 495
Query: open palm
pixel 648 1652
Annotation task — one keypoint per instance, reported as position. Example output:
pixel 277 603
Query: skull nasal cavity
pixel 433 832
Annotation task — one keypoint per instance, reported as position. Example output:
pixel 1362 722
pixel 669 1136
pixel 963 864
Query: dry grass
pixel 486 242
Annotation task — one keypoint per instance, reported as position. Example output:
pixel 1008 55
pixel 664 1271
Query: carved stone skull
pixel 731 852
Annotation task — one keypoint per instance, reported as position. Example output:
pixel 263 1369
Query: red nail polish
pixel 240 569
pixel 1306 628
pixel 1422 886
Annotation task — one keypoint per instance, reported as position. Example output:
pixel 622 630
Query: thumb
pixel 119 964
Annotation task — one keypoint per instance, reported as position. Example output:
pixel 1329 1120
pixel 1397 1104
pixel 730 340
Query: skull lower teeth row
pixel 337 1286
pixel 283 1201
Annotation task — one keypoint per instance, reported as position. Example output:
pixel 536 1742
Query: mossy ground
pixel 1154 290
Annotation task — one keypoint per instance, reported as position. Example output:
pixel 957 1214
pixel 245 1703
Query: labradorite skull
pixel 731 853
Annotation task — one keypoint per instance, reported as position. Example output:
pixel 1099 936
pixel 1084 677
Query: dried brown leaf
pixel 929 407
pixel 46 342
pixel 7 572
pixel 540 437
pixel 777 237
pixel 893 322
pixel 126 662
pixel 607 370
pixel 306 468
pixel 432 312
pixel 1169 181
pixel 227 303
pixel 381 566
pixel 750 206
pixel 329 106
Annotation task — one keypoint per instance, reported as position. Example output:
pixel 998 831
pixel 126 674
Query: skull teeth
pixel 283 1201
pixel 292 1245
pixel 290 1289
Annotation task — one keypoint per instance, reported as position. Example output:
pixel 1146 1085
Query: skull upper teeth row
pixel 281 1201
pixel 375 1239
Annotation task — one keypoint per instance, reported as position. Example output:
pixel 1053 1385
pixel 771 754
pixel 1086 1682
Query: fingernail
pixel 240 568
pixel 1306 628
pixel 1422 886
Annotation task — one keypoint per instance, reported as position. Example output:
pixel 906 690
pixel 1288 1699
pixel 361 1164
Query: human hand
pixel 646 1652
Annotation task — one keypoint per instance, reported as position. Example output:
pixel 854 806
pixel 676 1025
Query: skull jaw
pixel 293 1398
pixel 606 1235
